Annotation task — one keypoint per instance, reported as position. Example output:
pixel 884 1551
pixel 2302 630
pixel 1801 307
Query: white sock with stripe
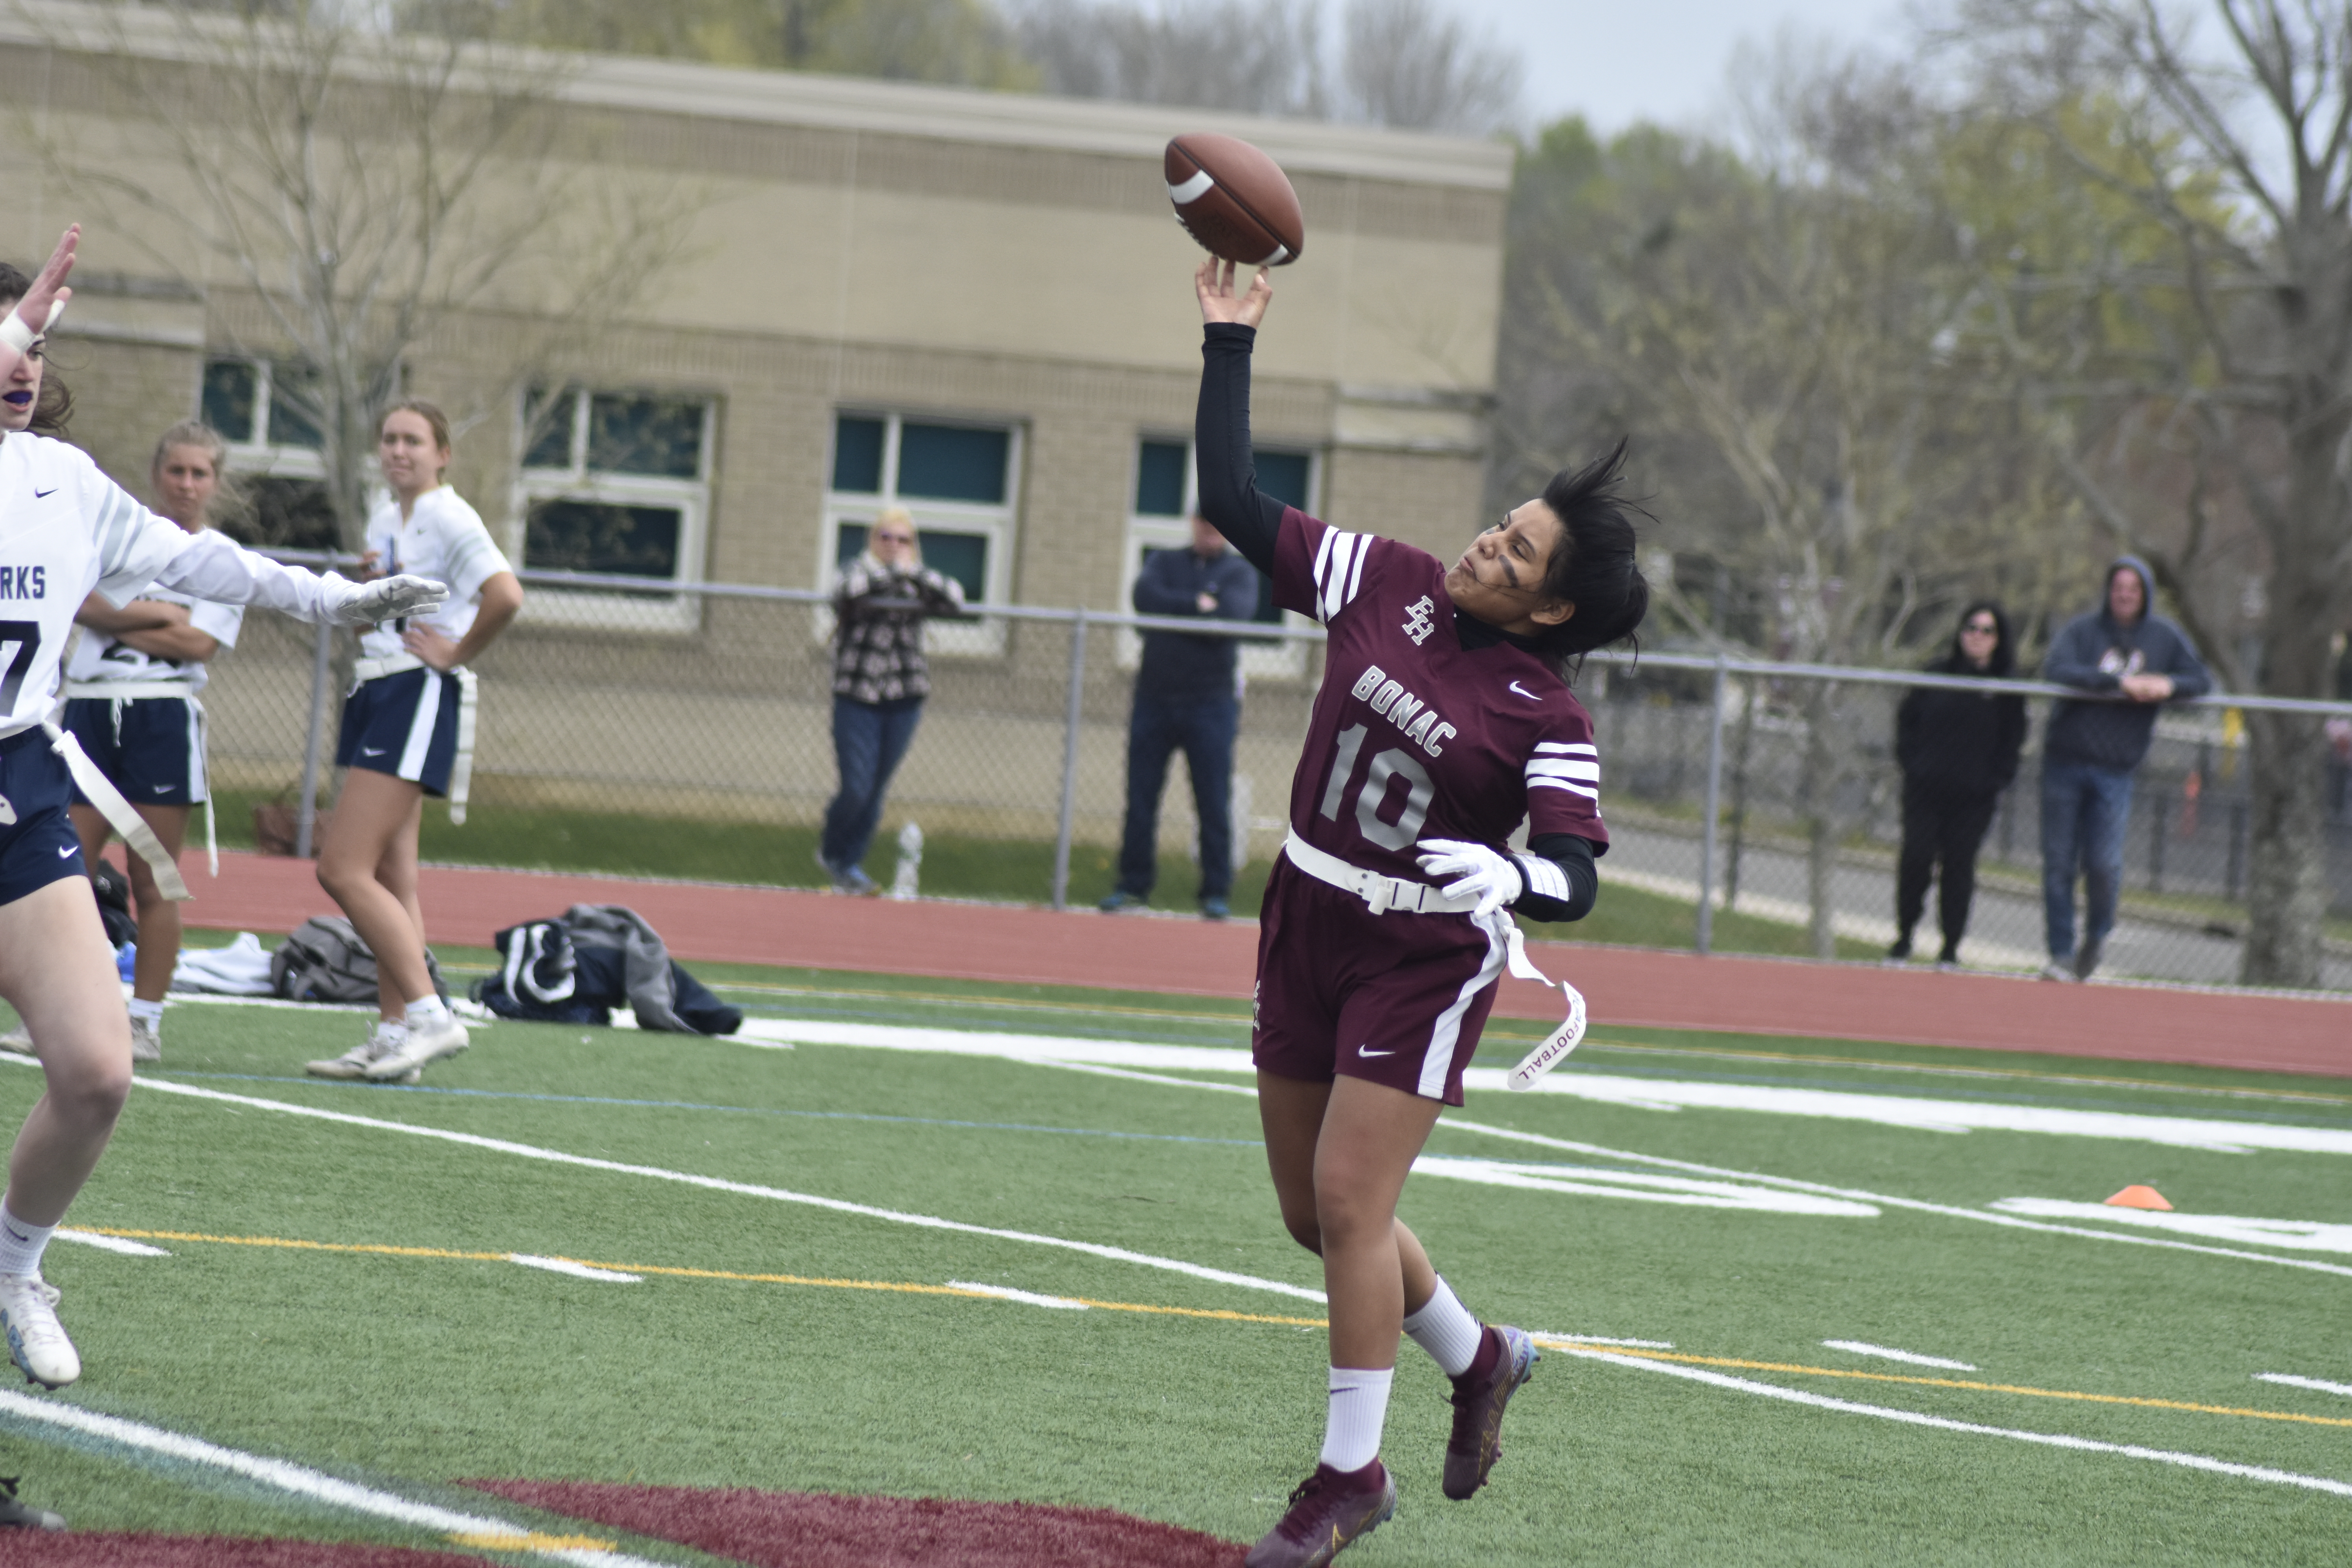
pixel 1447 1329
pixel 431 1013
pixel 21 1245
pixel 1359 1408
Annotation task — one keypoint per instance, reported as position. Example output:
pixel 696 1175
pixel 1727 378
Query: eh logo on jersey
pixel 1417 622
pixel 1401 708
pixel 24 581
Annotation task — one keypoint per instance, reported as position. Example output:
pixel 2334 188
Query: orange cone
pixel 2139 1197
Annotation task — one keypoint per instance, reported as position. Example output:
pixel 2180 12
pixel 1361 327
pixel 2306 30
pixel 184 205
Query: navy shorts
pixel 37 843
pixel 404 725
pixel 148 746
pixel 1397 999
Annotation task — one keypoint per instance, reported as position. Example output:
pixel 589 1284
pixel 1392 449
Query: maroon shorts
pixel 1392 998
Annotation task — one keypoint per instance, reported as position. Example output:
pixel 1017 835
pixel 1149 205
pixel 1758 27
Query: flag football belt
pixel 1384 895
pixel 122 691
pixel 100 792
pixel 461 767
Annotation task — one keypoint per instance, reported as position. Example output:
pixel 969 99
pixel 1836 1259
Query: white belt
pixel 120 691
pixel 461 766
pixel 1384 895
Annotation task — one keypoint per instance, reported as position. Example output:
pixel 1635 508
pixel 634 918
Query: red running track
pixel 1630 986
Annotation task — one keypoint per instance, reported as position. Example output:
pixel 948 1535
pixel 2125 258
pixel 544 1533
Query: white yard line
pixel 109 1243
pixel 1024 1297
pixel 577 1271
pixel 1942 1423
pixel 297 1480
pixel 744 1189
pixel 1910 1358
pixel 2316 1384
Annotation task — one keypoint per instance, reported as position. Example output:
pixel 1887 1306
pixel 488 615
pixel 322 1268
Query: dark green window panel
pixel 599 536
pixel 1159 478
pixel 951 462
pixel 858 459
pixel 551 441
pixel 230 386
pixel 1283 475
pixel 658 436
pixel 293 398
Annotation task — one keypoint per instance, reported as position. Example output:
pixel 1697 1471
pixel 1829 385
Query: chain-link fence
pixel 642 704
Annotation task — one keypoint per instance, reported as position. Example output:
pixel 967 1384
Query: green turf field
pixel 338 1293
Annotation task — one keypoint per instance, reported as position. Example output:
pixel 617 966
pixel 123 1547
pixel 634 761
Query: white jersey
pixel 99 659
pixel 65 530
pixel 443 538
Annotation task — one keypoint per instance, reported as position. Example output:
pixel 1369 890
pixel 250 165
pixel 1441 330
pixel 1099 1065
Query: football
pixel 1235 200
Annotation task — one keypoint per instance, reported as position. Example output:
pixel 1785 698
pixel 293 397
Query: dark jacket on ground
pixel 2094 653
pixel 1962 743
pixel 1182 668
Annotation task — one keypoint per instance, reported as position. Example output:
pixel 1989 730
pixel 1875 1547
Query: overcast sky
pixel 1616 61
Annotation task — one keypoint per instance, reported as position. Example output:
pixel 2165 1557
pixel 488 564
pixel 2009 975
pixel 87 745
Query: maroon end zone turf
pixel 131 1550
pixel 819 1530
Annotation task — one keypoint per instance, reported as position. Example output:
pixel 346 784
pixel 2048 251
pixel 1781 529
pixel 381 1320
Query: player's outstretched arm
pixel 1227 470
pixel 213 567
pixel 37 312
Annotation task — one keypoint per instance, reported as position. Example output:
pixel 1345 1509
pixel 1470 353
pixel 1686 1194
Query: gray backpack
pixel 325 960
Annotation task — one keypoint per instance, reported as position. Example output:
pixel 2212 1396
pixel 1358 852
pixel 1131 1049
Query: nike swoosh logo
pixel 1367 1051
pixel 1525 692
pixel 372 750
pixel 162 789
pixel 68 851
pixel 44 495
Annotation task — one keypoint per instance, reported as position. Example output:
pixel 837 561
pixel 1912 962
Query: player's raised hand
pixel 388 598
pixel 42 303
pixel 1214 282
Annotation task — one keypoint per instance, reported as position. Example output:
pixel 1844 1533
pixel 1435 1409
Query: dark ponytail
pixel 53 405
pixel 1597 566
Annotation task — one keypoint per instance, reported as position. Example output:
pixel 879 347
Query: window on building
pixel 957 481
pixel 268 411
pixel 615 484
pixel 1165 491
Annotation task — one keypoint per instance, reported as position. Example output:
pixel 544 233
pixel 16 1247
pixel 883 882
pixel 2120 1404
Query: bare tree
pixel 365 189
pixel 1256 57
pixel 1406 63
pixel 2231 340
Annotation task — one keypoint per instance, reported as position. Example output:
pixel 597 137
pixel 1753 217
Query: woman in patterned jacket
pixel 879 681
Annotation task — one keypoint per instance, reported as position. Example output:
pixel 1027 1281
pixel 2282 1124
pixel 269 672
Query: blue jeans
pixel 2084 812
pixel 869 740
pixel 1203 729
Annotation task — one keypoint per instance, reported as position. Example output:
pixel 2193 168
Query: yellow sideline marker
pixel 532 1541
pixel 910 1288
pixel 1958 1383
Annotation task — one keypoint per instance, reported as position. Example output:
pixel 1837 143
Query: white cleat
pixel 146 1041
pixel 381 1042
pixel 36 1341
pixel 406 1060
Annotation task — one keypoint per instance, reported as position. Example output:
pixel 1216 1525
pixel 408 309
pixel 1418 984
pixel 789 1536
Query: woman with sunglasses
pixel 879 681
pixel 1957 750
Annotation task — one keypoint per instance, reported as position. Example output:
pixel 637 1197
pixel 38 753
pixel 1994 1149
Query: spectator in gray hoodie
pixel 2091 749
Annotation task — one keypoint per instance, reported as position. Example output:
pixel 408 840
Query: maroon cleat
pixel 1328 1510
pixel 1509 1359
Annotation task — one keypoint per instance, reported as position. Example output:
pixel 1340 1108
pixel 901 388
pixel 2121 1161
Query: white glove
pixel 388 598
pixel 1489 877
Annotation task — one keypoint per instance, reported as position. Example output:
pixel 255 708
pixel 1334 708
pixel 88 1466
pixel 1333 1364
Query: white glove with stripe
pixel 388 598
pixel 1493 879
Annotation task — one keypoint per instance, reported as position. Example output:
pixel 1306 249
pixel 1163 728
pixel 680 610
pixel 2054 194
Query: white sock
pixel 1359 1408
pixel 432 1012
pixel 21 1245
pixel 148 1013
pixel 1445 1328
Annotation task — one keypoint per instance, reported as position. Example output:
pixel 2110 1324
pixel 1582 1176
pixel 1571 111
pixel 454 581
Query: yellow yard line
pixel 902 1286
pixel 1963 1383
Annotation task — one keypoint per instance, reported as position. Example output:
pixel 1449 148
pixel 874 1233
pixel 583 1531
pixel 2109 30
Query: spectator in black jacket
pixel 1186 697
pixel 1957 750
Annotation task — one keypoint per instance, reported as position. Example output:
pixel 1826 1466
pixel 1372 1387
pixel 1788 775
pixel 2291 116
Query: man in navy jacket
pixel 1186 697
pixel 2092 749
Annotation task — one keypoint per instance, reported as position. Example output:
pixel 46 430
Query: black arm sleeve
pixel 1221 448
pixel 1572 853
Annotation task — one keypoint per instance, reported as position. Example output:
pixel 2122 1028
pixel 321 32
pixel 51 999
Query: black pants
pixel 1940 826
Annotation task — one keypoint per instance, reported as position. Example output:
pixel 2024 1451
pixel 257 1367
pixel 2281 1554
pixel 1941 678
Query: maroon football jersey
pixel 1413 736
